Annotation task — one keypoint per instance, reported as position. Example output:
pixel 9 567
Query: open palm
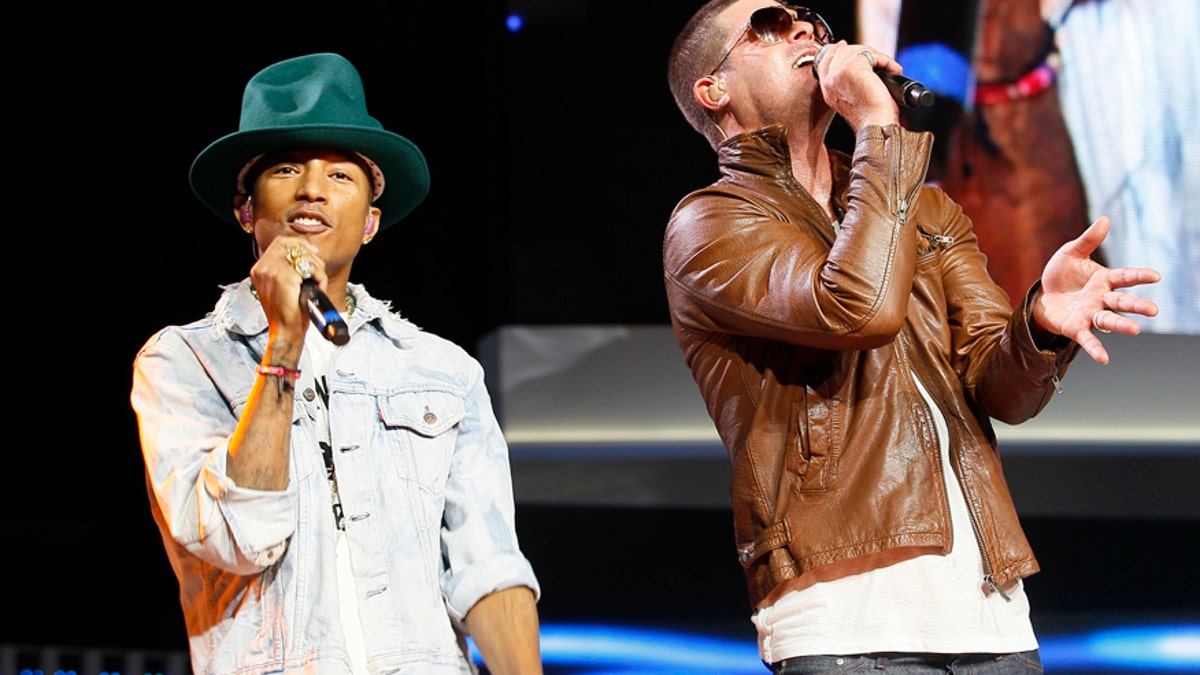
pixel 1079 294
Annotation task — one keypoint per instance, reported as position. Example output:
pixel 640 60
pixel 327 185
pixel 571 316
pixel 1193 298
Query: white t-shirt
pixel 320 354
pixel 932 603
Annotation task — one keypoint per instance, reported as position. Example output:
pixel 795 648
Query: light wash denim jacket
pixel 422 471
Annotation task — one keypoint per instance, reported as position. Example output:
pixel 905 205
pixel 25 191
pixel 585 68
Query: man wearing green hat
pixel 331 485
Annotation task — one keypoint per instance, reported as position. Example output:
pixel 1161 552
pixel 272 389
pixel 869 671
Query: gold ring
pixel 294 253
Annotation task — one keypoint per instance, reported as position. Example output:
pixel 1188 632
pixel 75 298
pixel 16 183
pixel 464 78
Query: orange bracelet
pixel 277 371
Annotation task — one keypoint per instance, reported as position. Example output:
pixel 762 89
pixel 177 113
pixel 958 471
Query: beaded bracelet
pixel 277 371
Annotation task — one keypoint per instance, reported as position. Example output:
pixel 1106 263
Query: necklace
pixel 351 301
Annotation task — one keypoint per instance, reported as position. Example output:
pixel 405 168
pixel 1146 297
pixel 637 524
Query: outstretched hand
pixel 1079 295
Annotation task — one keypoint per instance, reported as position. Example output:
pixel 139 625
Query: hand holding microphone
pixel 315 303
pixel 905 91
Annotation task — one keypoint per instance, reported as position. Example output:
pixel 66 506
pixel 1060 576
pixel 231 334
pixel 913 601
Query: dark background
pixel 556 155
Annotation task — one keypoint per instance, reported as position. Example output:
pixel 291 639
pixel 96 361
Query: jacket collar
pixel 764 153
pixel 239 311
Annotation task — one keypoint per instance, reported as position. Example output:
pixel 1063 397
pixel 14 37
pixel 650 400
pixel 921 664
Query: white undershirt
pixel 320 354
pixel 348 608
pixel 932 603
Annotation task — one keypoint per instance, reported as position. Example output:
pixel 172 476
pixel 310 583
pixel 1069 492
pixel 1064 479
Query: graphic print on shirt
pixel 327 455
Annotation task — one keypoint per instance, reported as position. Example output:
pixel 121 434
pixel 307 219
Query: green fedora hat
pixel 310 100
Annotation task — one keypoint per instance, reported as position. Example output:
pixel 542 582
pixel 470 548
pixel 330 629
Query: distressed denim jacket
pixel 423 478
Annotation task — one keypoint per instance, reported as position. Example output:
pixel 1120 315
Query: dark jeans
pixel 1020 663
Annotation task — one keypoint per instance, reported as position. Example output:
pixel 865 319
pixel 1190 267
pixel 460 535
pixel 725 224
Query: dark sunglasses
pixel 773 24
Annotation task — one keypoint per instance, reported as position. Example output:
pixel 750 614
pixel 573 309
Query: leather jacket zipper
pixel 988 577
pixel 937 240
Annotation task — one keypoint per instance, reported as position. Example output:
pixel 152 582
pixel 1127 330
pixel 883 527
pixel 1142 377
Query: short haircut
pixel 693 54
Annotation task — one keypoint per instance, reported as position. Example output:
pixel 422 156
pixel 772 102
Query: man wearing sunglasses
pixel 837 315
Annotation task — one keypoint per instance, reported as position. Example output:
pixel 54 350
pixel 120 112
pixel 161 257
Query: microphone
pixel 905 91
pixel 324 315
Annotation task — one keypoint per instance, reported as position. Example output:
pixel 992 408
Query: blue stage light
pixel 1163 648
pixel 598 649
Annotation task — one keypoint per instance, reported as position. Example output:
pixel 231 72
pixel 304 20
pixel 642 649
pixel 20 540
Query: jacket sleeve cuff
pixel 260 522
pixel 1051 342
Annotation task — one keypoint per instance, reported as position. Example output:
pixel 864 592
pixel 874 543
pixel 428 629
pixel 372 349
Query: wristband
pixel 277 371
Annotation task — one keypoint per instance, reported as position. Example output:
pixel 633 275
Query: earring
pixel 247 219
pixel 369 233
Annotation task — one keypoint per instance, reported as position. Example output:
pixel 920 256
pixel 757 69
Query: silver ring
pixel 870 57
pixel 303 267
pixel 1097 325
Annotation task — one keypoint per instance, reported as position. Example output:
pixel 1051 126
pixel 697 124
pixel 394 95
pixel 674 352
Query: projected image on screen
pixel 1051 114
pixel 1133 106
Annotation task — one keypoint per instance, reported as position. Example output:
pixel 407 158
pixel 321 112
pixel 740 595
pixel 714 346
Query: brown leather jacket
pixel 806 344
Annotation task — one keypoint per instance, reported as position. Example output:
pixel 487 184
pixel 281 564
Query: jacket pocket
pixel 423 427
pixel 808 438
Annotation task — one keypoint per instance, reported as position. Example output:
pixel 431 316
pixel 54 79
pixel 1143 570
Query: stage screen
pixel 1105 128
